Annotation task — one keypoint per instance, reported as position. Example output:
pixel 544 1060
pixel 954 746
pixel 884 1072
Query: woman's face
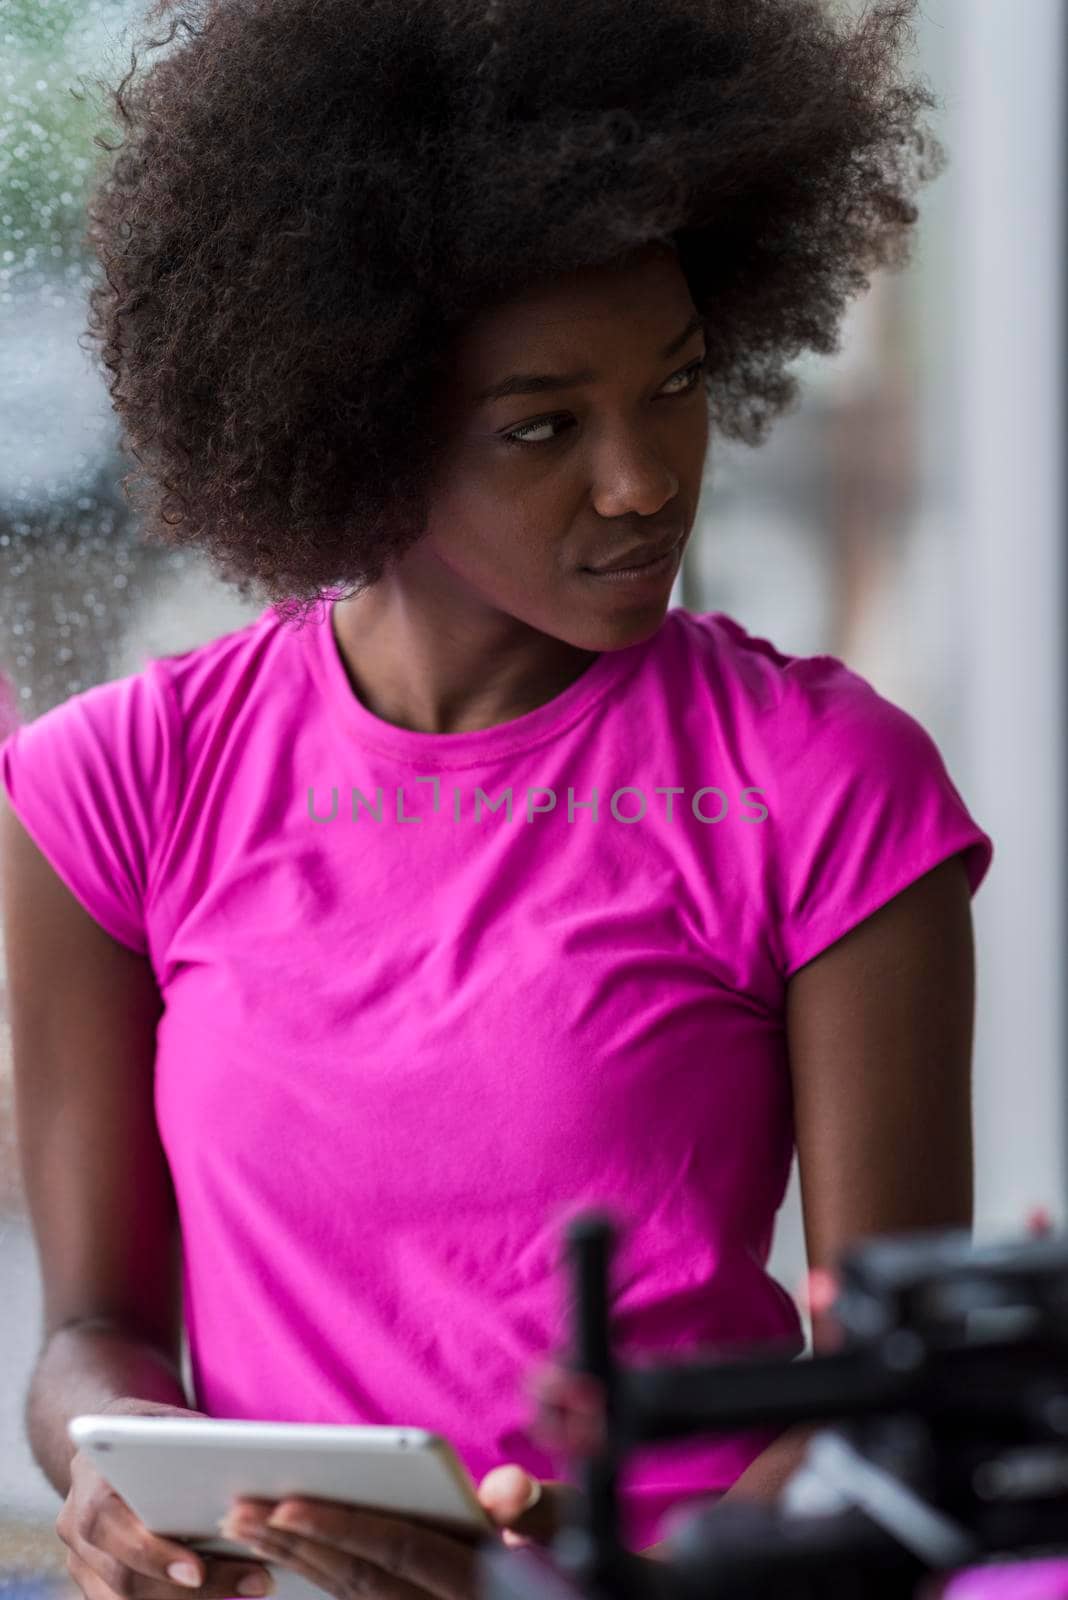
pixel 606 467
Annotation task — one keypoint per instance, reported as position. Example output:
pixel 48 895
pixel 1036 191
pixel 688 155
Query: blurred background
pixel 908 518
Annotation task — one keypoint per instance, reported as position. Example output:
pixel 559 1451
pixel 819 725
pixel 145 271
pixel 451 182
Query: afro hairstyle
pixel 309 198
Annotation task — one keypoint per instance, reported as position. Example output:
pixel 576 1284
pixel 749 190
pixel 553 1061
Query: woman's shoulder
pixel 225 664
pixel 861 798
pixel 148 720
pixel 758 678
pixel 210 690
pixel 124 755
pixel 811 719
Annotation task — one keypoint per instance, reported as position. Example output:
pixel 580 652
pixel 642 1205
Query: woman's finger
pixel 134 1564
pixel 111 1539
pixel 528 1509
pixel 288 1554
pixel 88 1580
pixel 338 1572
pixel 415 1556
pixel 102 1577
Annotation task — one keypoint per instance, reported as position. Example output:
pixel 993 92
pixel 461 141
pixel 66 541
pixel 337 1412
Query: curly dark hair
pixel 312 196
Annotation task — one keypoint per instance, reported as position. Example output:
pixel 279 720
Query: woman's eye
pixel 692 374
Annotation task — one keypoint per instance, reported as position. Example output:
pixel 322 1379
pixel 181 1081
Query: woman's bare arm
pixel 83 1010
pixel 880 1031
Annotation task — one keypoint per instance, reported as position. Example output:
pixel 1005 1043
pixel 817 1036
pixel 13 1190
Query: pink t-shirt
pixel 410 1031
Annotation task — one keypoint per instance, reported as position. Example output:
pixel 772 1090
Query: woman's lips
pixel 650 573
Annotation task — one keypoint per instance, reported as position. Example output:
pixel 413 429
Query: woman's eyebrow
pixel 536 383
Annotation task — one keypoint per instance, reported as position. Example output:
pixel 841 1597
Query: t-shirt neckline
pixel 472 746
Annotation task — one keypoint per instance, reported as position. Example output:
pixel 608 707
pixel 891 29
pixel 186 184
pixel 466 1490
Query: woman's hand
pixel 349 1552
pixel 113 1556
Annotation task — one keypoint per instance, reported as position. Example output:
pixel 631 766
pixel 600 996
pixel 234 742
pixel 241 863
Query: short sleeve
pixel 866 808
pixel 94 783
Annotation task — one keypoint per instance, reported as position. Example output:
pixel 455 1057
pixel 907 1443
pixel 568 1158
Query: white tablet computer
pixel 181 1474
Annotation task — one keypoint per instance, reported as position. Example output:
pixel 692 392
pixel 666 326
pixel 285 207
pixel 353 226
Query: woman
pixel 470 886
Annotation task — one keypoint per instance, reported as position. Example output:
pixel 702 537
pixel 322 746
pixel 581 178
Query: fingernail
pixel 184 1572
pixel 255 1583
